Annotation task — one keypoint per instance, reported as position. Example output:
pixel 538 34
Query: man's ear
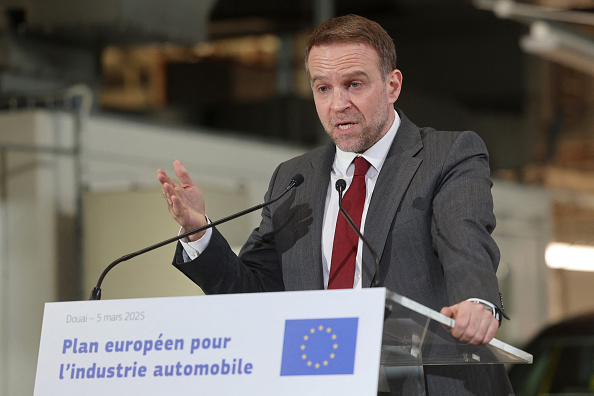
pixel 394 85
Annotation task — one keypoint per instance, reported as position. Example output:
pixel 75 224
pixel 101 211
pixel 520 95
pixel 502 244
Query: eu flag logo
pixel 319 346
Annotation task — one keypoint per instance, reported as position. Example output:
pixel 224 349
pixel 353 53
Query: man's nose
pixel 340 100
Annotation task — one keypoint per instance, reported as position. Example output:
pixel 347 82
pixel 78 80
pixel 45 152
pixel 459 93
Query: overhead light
pixel 508 9
pixel 564 46
pixel 560 46
pixel 569 257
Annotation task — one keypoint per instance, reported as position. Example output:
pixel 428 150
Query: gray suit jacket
pixel 429 219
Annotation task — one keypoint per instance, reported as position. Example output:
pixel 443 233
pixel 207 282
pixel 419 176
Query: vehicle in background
pixel 563 360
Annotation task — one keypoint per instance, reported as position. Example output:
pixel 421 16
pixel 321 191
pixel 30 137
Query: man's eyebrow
pixel 313 79
pixel 348 76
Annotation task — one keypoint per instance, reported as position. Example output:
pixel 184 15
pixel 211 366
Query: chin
pixel 351 147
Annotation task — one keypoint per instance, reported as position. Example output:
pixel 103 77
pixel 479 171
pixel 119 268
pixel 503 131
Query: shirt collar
pixel 375 155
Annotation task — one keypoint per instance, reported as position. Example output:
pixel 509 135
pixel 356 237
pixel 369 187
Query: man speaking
pixel 421 197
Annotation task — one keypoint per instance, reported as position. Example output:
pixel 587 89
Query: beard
pixel 361 140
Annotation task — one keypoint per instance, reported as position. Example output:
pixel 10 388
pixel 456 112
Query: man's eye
pixel 355 84
pixel 323 89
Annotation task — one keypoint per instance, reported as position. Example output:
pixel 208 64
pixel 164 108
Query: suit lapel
pixel 317 179
pixel 395 176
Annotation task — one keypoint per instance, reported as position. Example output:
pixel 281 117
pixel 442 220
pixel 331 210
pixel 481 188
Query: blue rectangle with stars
pixel 319 346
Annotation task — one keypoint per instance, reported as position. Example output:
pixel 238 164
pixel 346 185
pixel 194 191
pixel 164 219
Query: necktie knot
pixel 361 166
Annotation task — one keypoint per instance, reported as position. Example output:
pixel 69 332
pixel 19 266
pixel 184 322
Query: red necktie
pixel 344 251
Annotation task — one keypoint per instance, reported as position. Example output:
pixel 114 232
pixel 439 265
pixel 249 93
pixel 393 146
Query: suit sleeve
pixel 463 221
pixel 218 270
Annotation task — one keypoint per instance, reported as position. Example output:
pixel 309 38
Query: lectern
pixel 285 343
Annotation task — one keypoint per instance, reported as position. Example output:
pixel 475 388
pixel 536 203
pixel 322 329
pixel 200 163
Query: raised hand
pixel 184 199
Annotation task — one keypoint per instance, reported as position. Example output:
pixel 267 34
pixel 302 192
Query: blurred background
pixel 95 96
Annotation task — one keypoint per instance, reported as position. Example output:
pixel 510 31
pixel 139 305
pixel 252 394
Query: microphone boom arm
pixel 96 293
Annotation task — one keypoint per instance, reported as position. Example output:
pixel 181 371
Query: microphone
pixel 96 293
pixel 340 187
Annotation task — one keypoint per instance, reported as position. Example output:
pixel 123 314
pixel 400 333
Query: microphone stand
pixel 340 187
pixel 96 293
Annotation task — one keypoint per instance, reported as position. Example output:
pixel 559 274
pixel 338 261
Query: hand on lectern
pixel 474 324
pixel 184 200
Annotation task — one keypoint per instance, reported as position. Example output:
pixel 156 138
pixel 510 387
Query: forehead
pixel 343 58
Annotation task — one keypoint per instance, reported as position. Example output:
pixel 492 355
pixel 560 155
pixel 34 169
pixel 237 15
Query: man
pixel 426 205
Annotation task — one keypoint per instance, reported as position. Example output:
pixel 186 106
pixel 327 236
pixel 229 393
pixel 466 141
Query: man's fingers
pixel 163 177
pixel 447 311
pixel 184 200
pixel 168 192
pixel 182 174
pixel 167 185
pixel 493 326
pixel 462 319
pixel 462 331
pixel 486 331
pixel 474 324
pixel 481 328
pixel 474 332
pixel 176 207
pixel 174 203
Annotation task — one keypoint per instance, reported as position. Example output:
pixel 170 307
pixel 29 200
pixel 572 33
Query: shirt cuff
pixel 193 249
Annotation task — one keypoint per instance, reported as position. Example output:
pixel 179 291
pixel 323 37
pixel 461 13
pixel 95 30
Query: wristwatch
pixel 489 307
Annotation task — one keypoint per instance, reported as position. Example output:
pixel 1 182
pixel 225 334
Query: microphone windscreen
pixel 297 179
pixel 340 185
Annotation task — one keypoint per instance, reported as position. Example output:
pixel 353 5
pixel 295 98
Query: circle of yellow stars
pixel 323 330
